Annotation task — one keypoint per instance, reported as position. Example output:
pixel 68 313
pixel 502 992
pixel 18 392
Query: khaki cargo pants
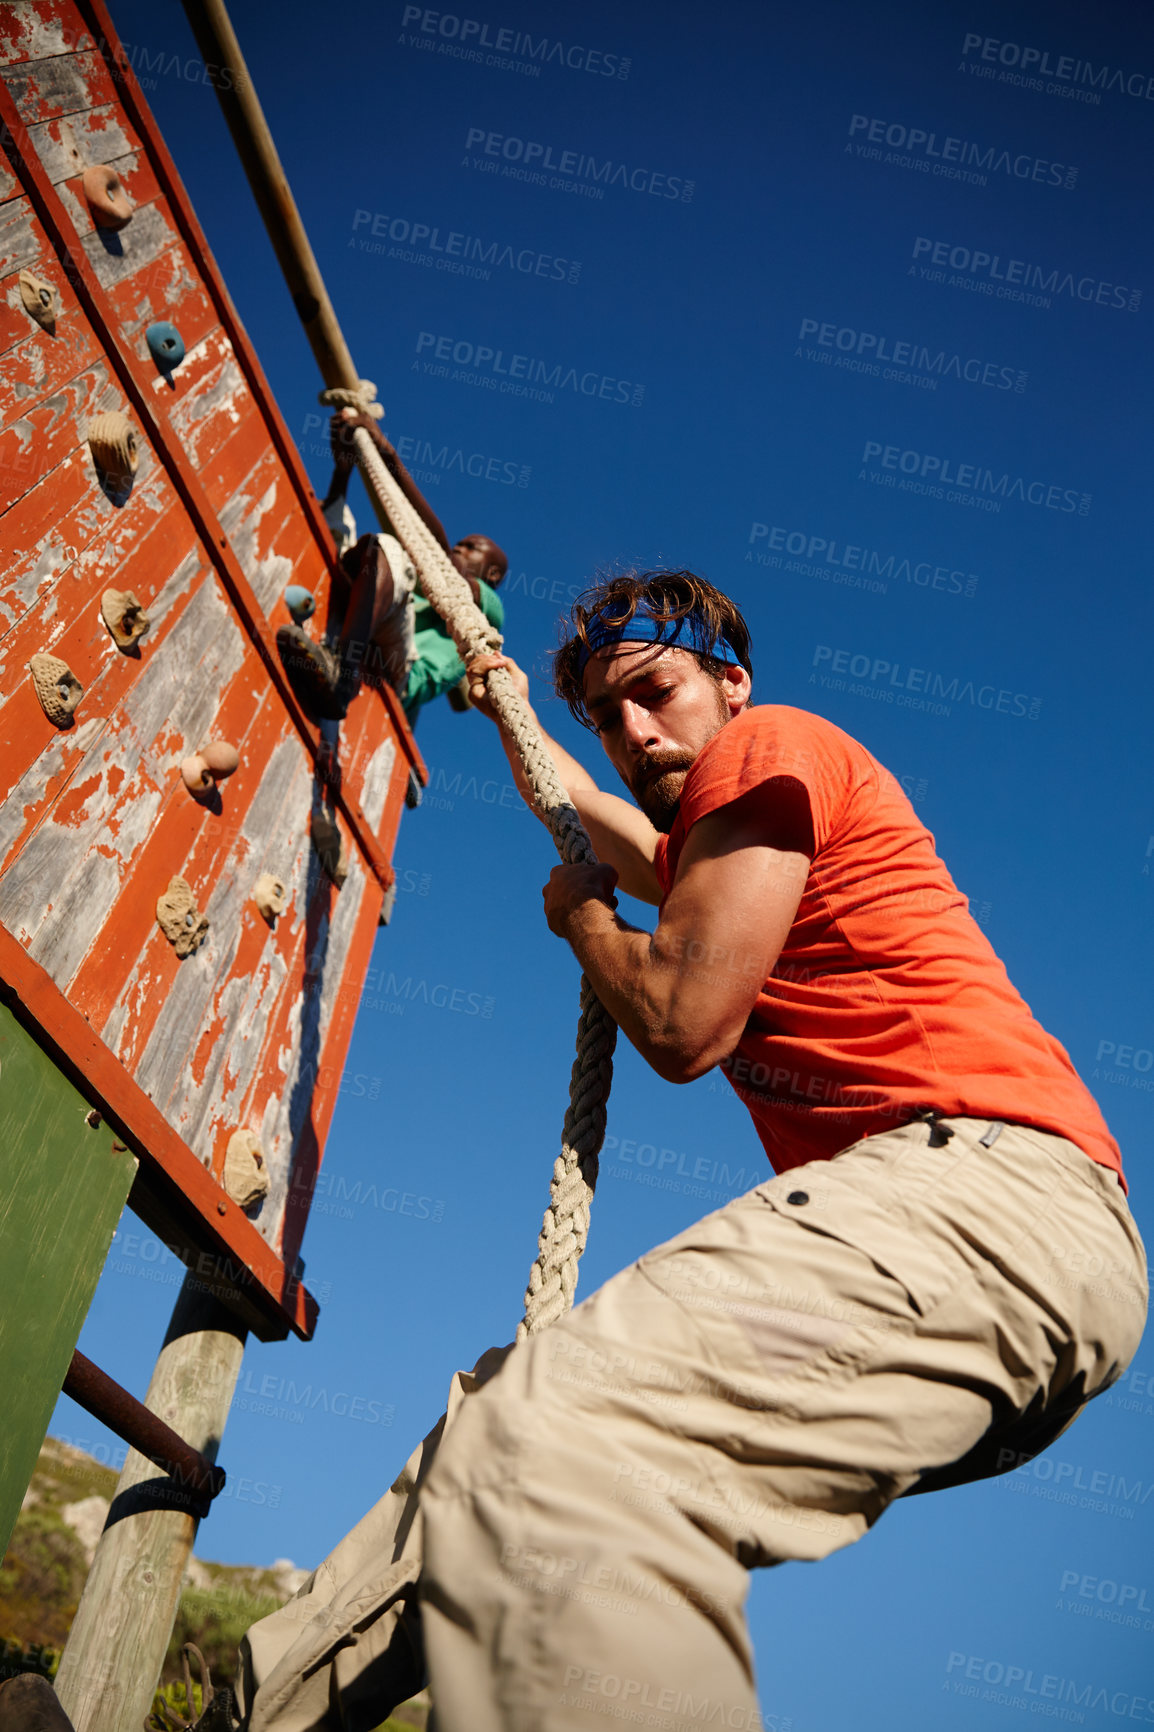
pixel 933 1306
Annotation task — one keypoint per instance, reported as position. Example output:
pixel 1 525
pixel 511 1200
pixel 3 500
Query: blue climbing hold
pixel 165 345
pixel 301 603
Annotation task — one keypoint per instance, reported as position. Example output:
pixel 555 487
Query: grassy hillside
pixel 43 1573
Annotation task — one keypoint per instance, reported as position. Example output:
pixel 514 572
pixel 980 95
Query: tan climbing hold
pixel 210 765
pixel 245 1174
pixel 331 846
pixel 114 446
pixel 57 688
pixel 180 919
pixel 109 203
pixel 270 896
pixel 40 298
pixel 123 613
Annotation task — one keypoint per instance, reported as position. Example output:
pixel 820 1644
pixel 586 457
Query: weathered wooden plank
pixel 284 1099
pixel 186 838
pixel 296 1114
pixel 43 533
pixel 9 185
pixel 271 537
pixel 371 784
pixel 66 147
pixel 116 255
pixel 265 495
pixel 33 446
pixel 208 1042
pixel 116 535
pixel 169 287
pixel 33 29
pixel 226 466
pixel 16 322
pixel 54 896
pixel 21 240
pixel 67 622
pixel 42 363
pixel 60 774
pixel 46 89
pixel 215 403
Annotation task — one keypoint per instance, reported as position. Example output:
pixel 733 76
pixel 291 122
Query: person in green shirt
pixel 389 632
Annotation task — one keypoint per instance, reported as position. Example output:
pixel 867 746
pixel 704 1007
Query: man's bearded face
pixel 654 710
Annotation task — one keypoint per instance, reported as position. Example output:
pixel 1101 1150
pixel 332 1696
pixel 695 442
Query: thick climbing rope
pixel 565 1229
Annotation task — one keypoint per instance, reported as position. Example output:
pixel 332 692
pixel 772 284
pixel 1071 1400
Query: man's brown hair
pixel 669 596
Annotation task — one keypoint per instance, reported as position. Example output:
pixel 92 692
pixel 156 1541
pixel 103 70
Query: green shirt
pixel 438 667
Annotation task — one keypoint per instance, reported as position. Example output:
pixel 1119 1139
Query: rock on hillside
pixel 43 1572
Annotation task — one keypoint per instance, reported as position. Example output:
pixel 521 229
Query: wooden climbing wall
pixel 250 1031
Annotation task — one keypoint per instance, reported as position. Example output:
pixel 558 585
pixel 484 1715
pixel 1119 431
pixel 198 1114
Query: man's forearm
pixel 637 986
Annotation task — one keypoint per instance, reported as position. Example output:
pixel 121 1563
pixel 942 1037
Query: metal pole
pixel 97 1393
pixel 111 1664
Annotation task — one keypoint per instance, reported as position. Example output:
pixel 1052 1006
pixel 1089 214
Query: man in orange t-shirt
pixel 943 1274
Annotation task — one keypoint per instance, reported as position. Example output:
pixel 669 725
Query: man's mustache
pixel 659 764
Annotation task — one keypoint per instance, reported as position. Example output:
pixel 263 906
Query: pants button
pixel 798 1197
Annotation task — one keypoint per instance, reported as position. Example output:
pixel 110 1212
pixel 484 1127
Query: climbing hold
pixel 331 846
pixel 113 443
pixel 245 1175
pixel 57 688
pixel 165 345
pixel 110 205
pixel 180 919
pixel 210 765
pixel 124 616
pixel 270 896
pixel 301 603
pixel 40 299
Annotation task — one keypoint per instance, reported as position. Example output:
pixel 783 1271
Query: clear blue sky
pixel 749 440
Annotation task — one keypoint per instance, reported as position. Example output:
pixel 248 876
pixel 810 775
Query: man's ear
pixel 738 687
pixel 492 575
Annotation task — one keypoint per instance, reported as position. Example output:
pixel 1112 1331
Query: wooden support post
pixel 112 1661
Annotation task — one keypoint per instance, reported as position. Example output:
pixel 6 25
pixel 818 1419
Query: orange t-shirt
pixel 887 997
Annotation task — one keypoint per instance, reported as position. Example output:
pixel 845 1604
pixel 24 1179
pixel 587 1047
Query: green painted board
pixel 62 1188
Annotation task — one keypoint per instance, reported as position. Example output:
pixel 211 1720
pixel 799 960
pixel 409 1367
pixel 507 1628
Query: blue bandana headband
pixel 687 633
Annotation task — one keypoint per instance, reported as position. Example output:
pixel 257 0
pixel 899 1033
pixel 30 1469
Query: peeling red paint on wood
pixel 47 89
pixel 38 28
pixel 97 818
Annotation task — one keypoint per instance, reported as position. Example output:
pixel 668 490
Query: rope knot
pixel 363 399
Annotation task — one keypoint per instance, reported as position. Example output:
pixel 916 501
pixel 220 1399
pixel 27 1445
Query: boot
pixel 314 673
pixel 28 1703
